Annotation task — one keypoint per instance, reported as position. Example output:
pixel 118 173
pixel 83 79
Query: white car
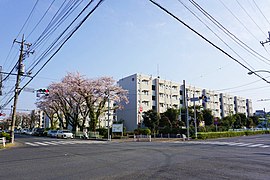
pixel 64 134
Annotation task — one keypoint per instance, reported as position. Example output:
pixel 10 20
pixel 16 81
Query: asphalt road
pixel 46 158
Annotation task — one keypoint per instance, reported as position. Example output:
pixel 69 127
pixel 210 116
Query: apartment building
pixel 240 105
pixel 227 106
pixel 213 102
pixel 249 107
pixel 147 92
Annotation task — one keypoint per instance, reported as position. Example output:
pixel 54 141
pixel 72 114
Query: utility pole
pixel 109 115
pixel 186 107
pixel 17 90
pixel 195 118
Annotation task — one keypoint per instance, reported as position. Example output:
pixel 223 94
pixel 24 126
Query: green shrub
pixel 3 134
pixel 209 135
pixel 103 132
pixel 144 131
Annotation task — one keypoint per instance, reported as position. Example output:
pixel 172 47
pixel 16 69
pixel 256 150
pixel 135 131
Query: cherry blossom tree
pixel 77 99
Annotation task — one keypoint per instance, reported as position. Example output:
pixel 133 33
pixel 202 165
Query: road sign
pixel 194 99
pixel 140 109
pixel 215 121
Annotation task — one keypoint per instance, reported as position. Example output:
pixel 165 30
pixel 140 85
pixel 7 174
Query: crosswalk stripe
pixel 51 143
pixel 255 145
pixel 31 144
pixel 57 142
pixel 40 143
pixel 239 144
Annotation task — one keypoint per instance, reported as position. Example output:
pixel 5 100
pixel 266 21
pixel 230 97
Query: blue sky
pixel 130 36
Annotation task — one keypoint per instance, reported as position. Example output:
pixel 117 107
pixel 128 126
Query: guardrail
pixel 3 141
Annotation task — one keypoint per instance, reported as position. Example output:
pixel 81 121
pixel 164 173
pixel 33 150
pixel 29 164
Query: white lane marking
pixel 31 144
pixel 40 143
pixel 255 145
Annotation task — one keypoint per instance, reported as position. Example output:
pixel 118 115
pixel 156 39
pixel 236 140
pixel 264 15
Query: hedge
pixel 7 135
pixel 209 135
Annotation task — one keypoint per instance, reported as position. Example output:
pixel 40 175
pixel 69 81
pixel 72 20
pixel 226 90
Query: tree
pixel 77 99
pixel 151 120
pixel 228 122
pixel 208 117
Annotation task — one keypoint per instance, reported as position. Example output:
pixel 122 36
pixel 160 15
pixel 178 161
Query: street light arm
pixel 256 73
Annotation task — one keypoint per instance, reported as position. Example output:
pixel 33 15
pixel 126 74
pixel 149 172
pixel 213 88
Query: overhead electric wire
pixel 53 46
pixel 230 34
pixel 40 19
pixel 204 38
pixel 228 9
pixel 29 16
pixel 69 36
pixel 9 52
pixel 261 12
pixel 256 88
pixel 250 17
pixel 215 34
pixel 240 86
pixel 8 101
pixel 56 21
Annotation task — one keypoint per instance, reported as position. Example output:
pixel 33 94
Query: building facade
pixel 147 92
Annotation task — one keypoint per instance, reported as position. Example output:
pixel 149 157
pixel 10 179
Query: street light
pixel 252 72
pixel 258 71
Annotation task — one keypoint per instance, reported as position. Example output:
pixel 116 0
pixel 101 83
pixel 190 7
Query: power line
pixel 40 19
pixel 27 18
pixel 261 12
pixel 250 17
pixel 58 49
pixel 239 21
pixel 52 46
pixel 204 38
pixel 230 34
pixel 215 34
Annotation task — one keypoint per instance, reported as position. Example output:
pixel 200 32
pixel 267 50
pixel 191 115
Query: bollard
pixel 3 141
pixel 150 140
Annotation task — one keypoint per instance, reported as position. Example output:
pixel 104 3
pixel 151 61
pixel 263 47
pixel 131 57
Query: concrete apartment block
pixel 213 102
pixel 147 92
pixel 240 105
pixel 226 105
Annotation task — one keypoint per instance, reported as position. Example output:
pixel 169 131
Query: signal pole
pixel 17 90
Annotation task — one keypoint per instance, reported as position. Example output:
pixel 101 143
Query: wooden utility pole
pixel 17 89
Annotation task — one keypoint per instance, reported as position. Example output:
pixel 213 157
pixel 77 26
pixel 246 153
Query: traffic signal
pixel 43 91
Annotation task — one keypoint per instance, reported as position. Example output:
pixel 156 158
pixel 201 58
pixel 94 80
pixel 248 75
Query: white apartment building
pixel 213 102
pixel 226 105
pixel 249 107
pixel 191 92
pixel 240 105
pixel 146 93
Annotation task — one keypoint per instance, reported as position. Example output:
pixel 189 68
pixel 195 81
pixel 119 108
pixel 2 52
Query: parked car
pixel 64 134
pixel 52 133
pixel 38 132
pixel 29 131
